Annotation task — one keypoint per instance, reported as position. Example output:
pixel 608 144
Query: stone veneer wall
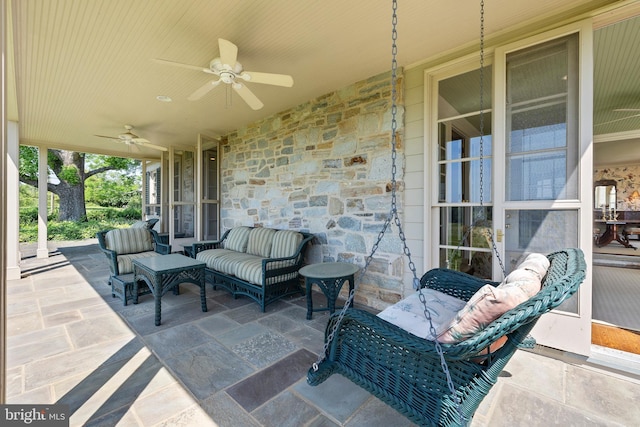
pixel 325 167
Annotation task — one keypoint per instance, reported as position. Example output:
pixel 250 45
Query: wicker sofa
pixel 122 246
pixel 261 263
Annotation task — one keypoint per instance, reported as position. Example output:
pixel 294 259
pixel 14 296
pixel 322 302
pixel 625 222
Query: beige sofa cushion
pixel 228 263
pixel 125 262
pixel 212 257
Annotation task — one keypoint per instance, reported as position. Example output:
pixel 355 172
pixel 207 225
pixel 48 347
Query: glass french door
pixel 521 182
pixel 210 194
pixel 182 190
pixel 546 108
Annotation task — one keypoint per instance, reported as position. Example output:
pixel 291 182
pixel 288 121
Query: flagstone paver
pixel 70 341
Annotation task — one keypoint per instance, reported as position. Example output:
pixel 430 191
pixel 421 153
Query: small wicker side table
pixel 164 273
pixel 122 287
pixel 329 276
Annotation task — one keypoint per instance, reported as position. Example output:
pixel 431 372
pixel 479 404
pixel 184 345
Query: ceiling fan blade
pixel 228 53
pixel 179 64
pixel 617 120
pixel 203 90
pixel 248 96
pixel 267 78
pixel 144 143
pixel 108 137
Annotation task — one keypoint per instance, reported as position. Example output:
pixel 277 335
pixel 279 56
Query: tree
pixel 114 189
pixel 69 169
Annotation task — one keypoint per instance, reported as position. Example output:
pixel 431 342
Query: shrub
pixel 103 214
pixel 97 220
pixel 30 216
pixel 130 213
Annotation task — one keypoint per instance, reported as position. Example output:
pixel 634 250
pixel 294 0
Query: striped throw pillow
pixel 260 241
pixel 285 243
pixel 237 239
pixel 129 240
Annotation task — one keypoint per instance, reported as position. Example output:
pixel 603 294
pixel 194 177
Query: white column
pixel 13 202
pixel 143 195
pixel 197 220
pixel 171 210
pixel 3 205
pixel 43 177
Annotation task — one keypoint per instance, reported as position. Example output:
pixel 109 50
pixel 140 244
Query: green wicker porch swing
pixel 436 384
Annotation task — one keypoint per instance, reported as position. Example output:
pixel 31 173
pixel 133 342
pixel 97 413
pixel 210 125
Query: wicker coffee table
pixel 164 273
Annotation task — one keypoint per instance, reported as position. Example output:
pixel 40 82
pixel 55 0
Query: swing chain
pixel 393 213
pixel 482 103
pixel 482 69
pixel 481 214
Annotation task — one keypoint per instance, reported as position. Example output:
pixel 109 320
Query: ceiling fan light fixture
pixel 130 138
pixel 229 71
pixel 217 67
pixel 227 77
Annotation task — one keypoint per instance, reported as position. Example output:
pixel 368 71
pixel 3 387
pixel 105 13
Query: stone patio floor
pixel 70 342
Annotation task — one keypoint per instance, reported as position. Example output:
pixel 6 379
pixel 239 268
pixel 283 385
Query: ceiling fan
pixel 131 138
pixel 228 70
pixel 622 110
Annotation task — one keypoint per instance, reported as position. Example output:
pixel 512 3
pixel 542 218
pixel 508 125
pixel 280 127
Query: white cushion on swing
pixel 456 320
pixel 408 314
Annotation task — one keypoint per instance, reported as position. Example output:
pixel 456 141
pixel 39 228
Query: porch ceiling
pixel 87 67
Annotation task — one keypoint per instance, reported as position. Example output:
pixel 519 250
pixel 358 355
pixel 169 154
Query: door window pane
pixel 210 168
pixel 465 239
pixel 210 202
pixel 184 194
pixel 460 95
pixel 460 159
pixel 153 188
pixel 465 173
pixel 541 231
pixel 184 215
pixel 539 176
pixel 541 142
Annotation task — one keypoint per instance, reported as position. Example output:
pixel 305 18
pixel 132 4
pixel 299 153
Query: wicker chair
pixel 122 246
pixel 405 371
